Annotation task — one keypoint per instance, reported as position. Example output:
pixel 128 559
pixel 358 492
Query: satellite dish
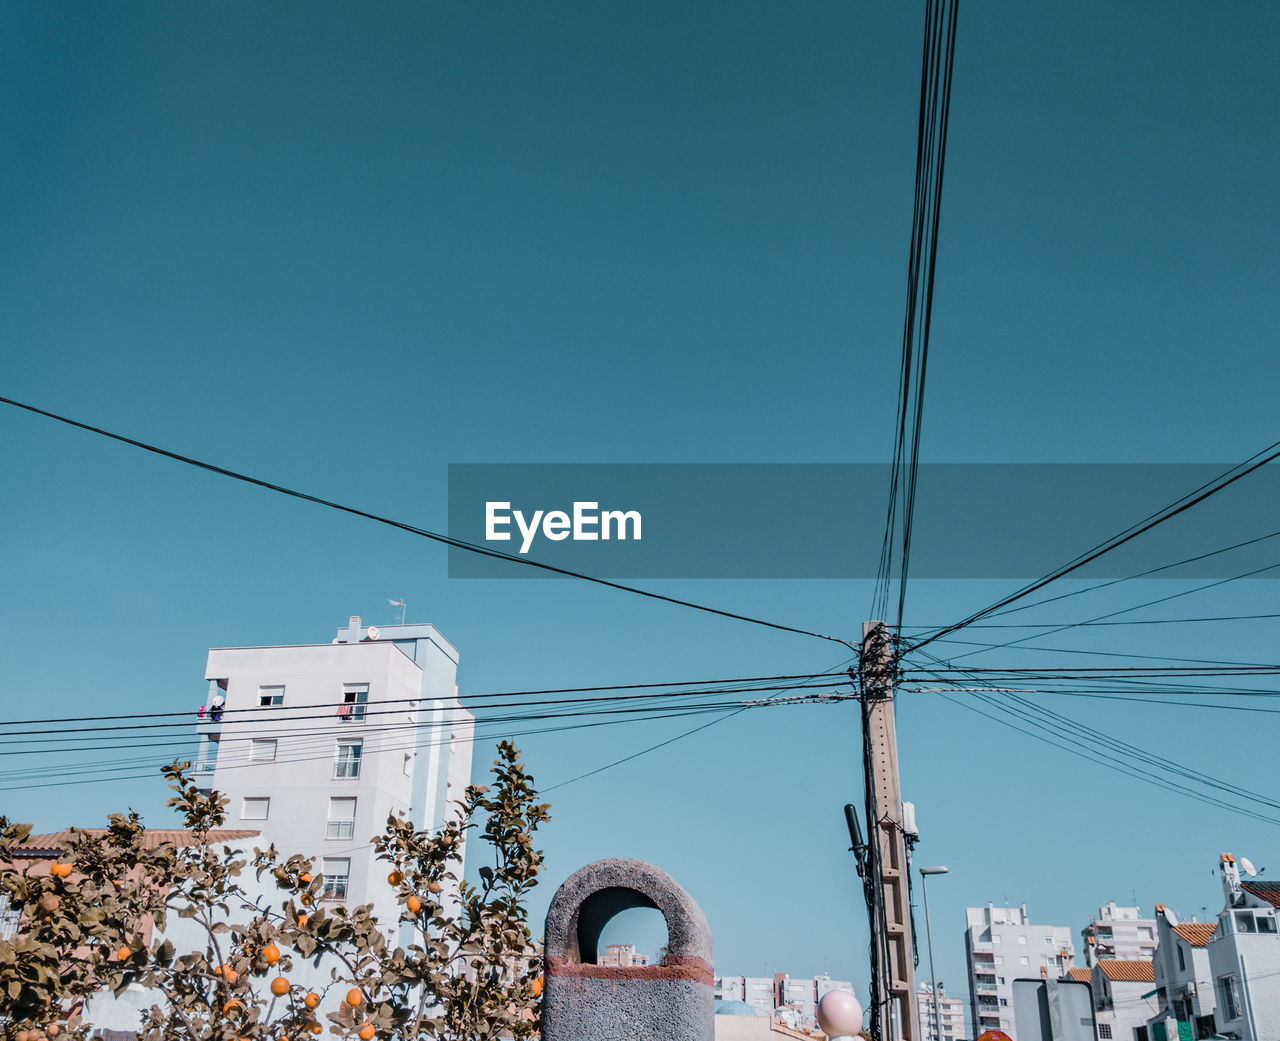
pixel 1248 867
pixel 1170 917
pixel 373 632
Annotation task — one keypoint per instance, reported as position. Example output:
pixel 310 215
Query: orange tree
pixel 106 915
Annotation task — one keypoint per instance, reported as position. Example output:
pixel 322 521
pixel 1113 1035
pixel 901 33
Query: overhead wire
pixel 447 540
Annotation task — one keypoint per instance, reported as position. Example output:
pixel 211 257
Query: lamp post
pixel 925 872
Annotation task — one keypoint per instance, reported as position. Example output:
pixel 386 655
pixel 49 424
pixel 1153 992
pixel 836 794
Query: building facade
pixel 1120 933
pixel 1122 998
pixel 315 745
pixel 1244 957
pixel 1184 983
pixel 1001 945
pixel 623 955
pixel 948 1024
pixel 793 1000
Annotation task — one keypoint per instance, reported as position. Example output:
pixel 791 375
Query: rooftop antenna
pixel 400 604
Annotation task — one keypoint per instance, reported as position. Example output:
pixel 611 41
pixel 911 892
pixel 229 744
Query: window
pixel 1022 939
pixel 1266 924
pixel 1004 1002
pixel 268 696
pixel 255 808
pixel 337 876
pixel 1000 980
pixel 1048 941
pixel 342 819
pixel 1104 1031
pixel 1182 960
pixel 1245 922
pixel 347 763
pixel 262 750
pixel 1228 997
pixel 355 699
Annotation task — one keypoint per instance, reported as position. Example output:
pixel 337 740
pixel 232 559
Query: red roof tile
pixel 1128 971
pixel 1080 974
pixel 151 839
pixel 1198 934
pixel 1268 891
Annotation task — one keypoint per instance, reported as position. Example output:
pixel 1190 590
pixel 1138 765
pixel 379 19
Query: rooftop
pixel 1080 974
pixel 152 838
pixel 1128 971
pixel 1198 934
pixel 1268 891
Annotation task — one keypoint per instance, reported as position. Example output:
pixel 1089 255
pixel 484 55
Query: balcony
pixel 204 766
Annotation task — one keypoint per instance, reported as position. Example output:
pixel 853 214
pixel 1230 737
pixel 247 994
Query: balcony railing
pixel 204 766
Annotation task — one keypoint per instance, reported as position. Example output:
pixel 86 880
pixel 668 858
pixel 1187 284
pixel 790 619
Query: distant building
pixel 1244 957
pixel 782 997
pixel 314 745
pixel 948 1025
pixel 1122 998
pixel 623 955
pixel 1002 945
pixel 1184 981
pixel 1120 933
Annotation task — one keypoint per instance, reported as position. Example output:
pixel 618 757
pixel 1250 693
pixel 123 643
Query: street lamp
pixel 925 872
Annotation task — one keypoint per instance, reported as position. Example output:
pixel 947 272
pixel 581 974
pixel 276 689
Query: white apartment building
pixel 1120 933
pixel 1123 998
pixel 315 745
pixel 1244 957
pixel 623 955
pixel 773 996
pixel 1002 945
pixel 1183 979
pixel 948 1024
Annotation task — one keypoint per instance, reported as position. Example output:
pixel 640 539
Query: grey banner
pixel 781 520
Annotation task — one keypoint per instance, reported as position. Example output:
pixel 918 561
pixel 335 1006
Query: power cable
pixel 446 540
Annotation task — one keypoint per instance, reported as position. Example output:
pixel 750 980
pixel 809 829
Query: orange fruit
pixel 305 878
pixel 303 919
pixel 413 904
pixel 306 899
pixel 316 1028
pixel 366 1032
pixel 227 973
pixel 60 870
pixel 311 1000
pixel 537 987
pixel 54 1030
pixel 22 1035
pixel 124 954
pixel 232 1007
pixel 271 954
pixel 49 903
pixel 396 877
pixel 434 887
pixel 280 986
pixel 354 997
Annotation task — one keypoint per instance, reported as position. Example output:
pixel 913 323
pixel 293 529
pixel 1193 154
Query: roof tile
pixel 1268 891
pixel 1128 971
pixel 1198 934
pixel 152 838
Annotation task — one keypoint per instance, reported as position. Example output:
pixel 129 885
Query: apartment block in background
pixel 948 1024
pixel 314 745
pixel 1002 945
pixel 1119 933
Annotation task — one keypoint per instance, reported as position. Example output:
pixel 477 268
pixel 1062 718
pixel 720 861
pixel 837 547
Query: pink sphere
pixel 839 1014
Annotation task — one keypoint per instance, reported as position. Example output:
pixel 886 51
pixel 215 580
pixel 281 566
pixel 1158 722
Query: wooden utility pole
pixel 888 863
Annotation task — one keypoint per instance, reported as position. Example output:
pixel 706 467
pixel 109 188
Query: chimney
pixel 1230 879
pixel 351 634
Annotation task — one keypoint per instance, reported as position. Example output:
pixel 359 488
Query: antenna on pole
pixel 400 604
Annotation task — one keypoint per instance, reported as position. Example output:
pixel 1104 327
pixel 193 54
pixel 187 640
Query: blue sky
pixel 343 246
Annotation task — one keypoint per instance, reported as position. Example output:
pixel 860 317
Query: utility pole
pixel 895 982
